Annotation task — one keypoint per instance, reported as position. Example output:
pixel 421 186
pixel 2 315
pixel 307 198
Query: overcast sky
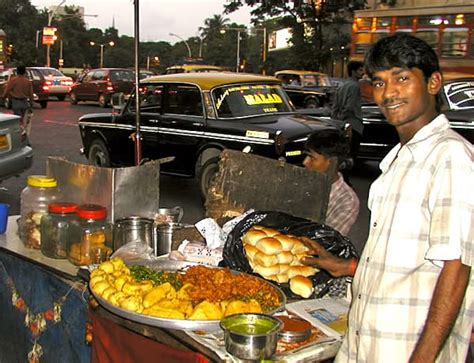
pixel 158 18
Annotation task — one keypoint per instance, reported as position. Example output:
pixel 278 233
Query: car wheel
pixel 43 104
pixel 73 98
pixel 207 174
pixel 312 103
pixel 98 154
pixel 103 100
pixel 61 97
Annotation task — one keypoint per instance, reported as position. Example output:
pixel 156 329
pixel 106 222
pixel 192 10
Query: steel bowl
pixel 251 336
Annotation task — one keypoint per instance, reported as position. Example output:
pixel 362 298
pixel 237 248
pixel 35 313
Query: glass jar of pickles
pixel 91 238
pixel 41 190
pixel 56 229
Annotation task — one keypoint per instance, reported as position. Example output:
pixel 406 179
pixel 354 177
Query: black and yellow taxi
pixel 193 68
pixel 307 89
pixel 194 116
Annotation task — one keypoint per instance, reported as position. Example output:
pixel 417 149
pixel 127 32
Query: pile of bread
pixel 276 257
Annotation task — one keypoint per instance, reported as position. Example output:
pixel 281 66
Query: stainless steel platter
pixel 202 325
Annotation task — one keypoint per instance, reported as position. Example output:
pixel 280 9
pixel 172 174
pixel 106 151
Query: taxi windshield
pixel 316 80
pixel 250 100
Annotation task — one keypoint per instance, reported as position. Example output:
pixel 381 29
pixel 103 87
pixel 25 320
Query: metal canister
pixel 132 229
pixel 163 240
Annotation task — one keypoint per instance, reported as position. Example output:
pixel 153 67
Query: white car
pixel 59 84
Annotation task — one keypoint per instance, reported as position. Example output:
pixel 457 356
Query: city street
pixel 55 133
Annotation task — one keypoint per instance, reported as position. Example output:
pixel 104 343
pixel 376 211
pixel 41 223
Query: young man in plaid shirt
pixel 412 289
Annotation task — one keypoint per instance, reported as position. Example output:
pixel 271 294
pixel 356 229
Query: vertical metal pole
pixel 264 54
pixel 148 63
pixel 200 47
pixel 138 138
pixel 102 55
pixel 60 53
pixel 238 51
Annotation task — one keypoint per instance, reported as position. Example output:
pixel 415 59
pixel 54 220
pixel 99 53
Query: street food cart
pixel 48 305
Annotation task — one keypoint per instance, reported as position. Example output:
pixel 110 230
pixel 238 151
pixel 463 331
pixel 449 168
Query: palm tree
pixel 213 25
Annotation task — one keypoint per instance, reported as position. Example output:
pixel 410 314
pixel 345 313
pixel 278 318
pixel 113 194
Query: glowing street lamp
pixel 111 44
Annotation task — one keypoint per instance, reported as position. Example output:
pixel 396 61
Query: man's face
pixel 404 96
pixel 316 162
pixel 359 73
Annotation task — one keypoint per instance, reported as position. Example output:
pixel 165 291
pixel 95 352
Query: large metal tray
pixel 202 325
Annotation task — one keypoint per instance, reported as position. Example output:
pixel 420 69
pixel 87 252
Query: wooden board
pixel 247 181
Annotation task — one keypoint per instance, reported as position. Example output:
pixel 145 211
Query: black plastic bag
pixel 235 258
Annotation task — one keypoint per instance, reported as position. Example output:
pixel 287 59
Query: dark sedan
pixel 194 116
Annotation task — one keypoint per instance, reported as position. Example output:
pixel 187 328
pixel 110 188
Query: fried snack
pixel 204 293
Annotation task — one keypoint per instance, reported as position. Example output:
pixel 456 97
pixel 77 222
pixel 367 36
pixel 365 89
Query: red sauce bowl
pixel 294 329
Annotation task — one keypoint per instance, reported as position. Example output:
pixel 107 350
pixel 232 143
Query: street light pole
pixel 238 30
pixel 111 43
pixel 185 42
pixel 238 52
pixel 50 19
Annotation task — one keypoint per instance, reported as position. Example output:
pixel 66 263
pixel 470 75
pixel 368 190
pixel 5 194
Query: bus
pixel 448 29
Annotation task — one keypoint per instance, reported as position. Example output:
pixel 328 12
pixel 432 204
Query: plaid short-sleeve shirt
pixel 421 215
pixel 343 206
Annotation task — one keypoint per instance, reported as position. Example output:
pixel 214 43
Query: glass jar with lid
pixel 41 190
pixel 91 238
pixel 56 229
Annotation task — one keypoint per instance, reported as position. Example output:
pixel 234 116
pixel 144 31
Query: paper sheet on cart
pixel 327 314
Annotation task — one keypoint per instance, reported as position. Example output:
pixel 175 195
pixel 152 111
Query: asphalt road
pixel 55 133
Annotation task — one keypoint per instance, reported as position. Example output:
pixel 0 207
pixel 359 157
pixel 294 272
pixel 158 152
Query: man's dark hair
pixel 404 51
pixel 329 143
pixel 21 70
pixel 353 66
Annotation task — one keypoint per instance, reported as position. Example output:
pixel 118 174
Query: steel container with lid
pixel 91 240
pixel 133 229
pixel 41 190
pixel 56 229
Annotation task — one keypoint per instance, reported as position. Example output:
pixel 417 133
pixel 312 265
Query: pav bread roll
pixel 263 259
pixel 299 247
pixel 284 268
pixel 253 236
pixel 269 245
pixel 250 251
pixel 302 286
pixel 284 257
pixel 301 270
pixel 267 271
pixel 286 242
pixel 282 278
pixel 270 232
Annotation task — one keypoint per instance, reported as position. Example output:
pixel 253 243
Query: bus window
pixel 429 21
pixel 454 43
pixel 384 22
pixel 429 36
pixel 362 42
pixel 404 21
pixel 363 23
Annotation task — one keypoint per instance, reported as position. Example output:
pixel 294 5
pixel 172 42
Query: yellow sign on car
pixel 4 143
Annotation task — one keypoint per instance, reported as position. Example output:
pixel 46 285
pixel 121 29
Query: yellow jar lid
pixel 41 181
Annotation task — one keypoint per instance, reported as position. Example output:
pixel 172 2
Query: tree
pixel 20 20
pixel 315 24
